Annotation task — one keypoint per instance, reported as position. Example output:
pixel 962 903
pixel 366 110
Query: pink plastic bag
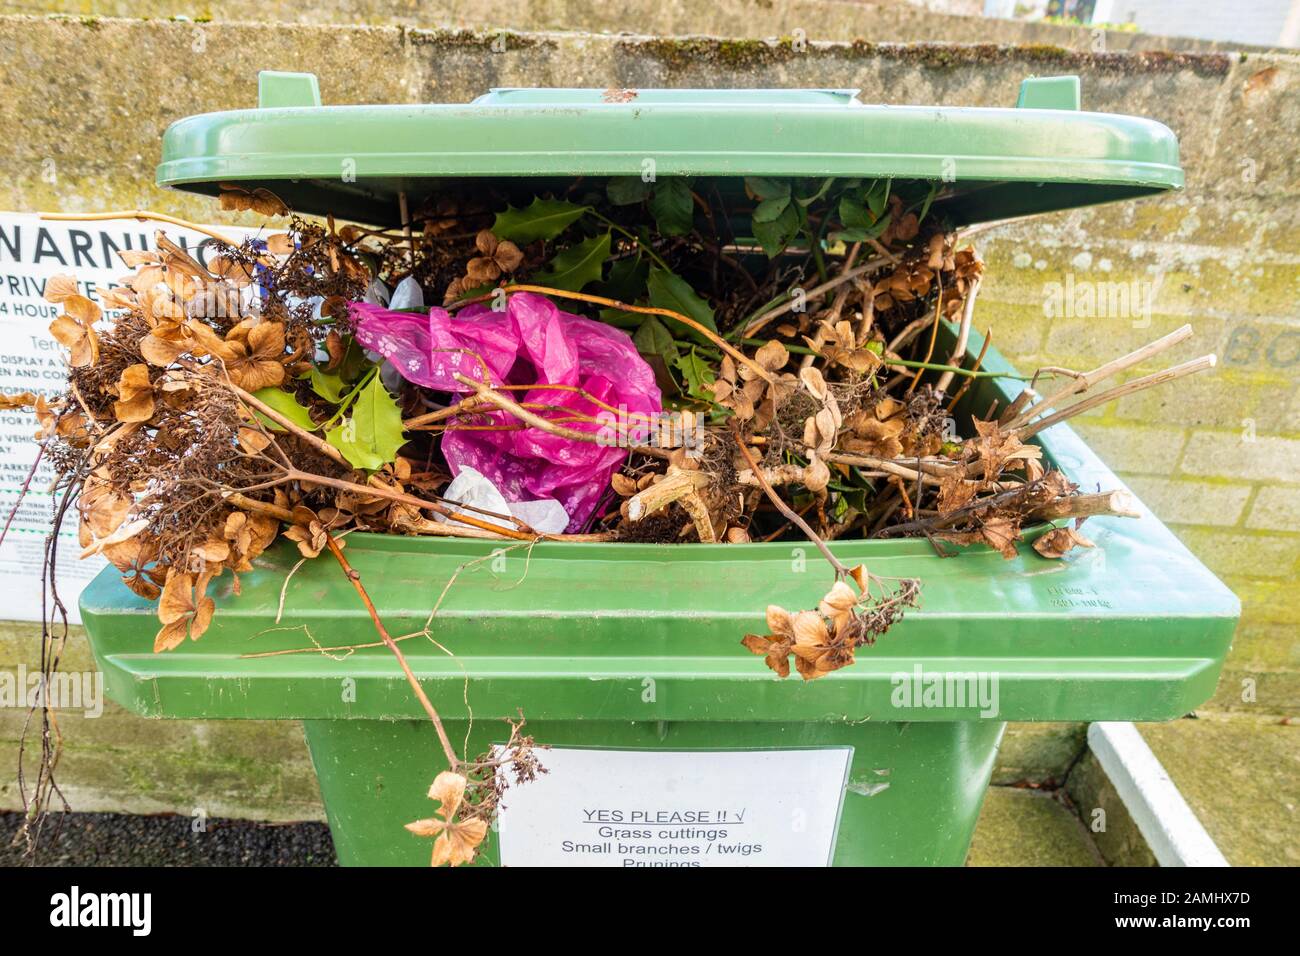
pixel 531 342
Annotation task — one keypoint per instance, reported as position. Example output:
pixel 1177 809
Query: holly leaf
pixel 627 190
pixel 668 291
pixel 541 219
pixel 578 265
pixel 372 435
pixel 697 374
pixel 286 405
pixel 627 279
pixel 673 206
pixel 652 338
pixel 327 385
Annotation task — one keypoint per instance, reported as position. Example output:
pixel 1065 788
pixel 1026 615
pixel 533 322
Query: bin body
pixel 913 795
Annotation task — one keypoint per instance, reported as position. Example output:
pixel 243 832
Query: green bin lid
pixel 354 161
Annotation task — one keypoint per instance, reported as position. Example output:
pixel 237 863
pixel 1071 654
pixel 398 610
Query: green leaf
pixel 765 188
pixel 542 219
pixel 861 233
pixel 673 206
pixel 327 385
pixel 371 436
pixel 808 200
pixel 878 195
pixel 354 362
pixel 654 339
pixel 860 215
pixel 578 265
pixel 668 291
pixel 627 279
pixel 697 374
pixel 284 403
pixel 769 210
pixel 854 213
pixel 774 236
pixel 627 190
pixel 929 198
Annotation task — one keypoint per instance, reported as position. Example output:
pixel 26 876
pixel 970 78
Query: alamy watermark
pixel 66 690
pixel 945 690
pixel 1133 299
pixel 76 908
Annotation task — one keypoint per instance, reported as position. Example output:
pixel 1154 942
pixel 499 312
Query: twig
pixel 405 213
pixel 837 308
pixel 1119 504
pixel 489 394
pixel 934 332
pixel 932 472
pixel 957 514
pixel 979 361
pixel 469 404
pixel 694 506
pixel 762 320
pixel 685 320
pixel 265 507
pixel 1081 383
pixel 355 577
pixel 141 214
pixel 22 492
pixel 907 333
pixel 884 253
pixel 319 444
pixel 379 491
pixel 677 484
pixel 1128 388
pixel 963 335
pixel 790 514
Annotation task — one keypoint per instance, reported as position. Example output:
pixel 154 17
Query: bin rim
pixel 354 160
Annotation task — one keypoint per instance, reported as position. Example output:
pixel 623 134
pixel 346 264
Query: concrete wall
pixel 898 21
pixel 1217 457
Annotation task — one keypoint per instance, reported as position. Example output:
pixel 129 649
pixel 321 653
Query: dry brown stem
pixel 761 321
pixel 789 513
pixel 963 336
pixel 1119 504
pixel 141 214
pixel 1119 391
pixel 1082 382
pixel 354 576
pixel 677 484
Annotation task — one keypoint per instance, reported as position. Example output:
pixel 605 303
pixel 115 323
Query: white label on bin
pixel 676 808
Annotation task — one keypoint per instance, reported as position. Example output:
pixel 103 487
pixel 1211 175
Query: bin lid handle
pixel 276 89
pixel 1049 93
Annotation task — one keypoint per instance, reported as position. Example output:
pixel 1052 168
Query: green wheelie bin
pixel 670 744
